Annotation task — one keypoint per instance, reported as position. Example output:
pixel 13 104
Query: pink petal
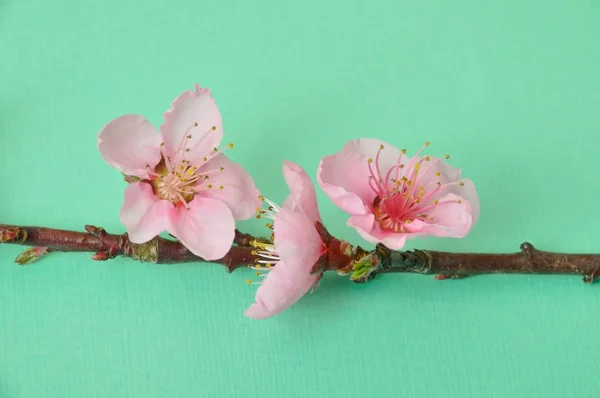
pixel 448 173
pixel 302 190
pixel 344 177
pixel 371 231
pixel 297 241
pixel 239 191
pixel 279 290
pixel 143 213
pixel 466 191
pixel 129 144
pixel 189 108
pixel 206 229
pixel 451 218
pixel 368 148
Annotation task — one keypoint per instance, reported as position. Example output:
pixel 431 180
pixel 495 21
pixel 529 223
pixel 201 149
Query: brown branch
pixel 340 256
pixel 528 260
pixel 107 246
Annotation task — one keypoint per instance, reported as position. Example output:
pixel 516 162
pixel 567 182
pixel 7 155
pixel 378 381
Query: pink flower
pixel 392 197
pixel 297 248
pixel 181 182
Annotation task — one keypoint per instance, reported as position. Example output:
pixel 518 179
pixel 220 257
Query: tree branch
pixel 528 260
pixel 107 246
pixel 340 256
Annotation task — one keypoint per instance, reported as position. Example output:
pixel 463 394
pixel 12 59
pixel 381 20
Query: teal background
pixel 509 88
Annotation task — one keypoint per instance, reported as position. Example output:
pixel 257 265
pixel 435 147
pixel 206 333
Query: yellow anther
pixel 269 225
pixel 221 168
pixel 437 174
pixel 248 281
pixel 370 160
pixel 403 151
pixel 258 274
pixel 417 166
pixel 258 266
pixel 447 157
pixel 206 177
pixel 189 136
pixel 459 201
pixel 430 218
pixel 435 201
pixel 381 147
pixel 261 197
pixel 215 149
pixel 254 253
pixel 230 145
pixel 221 187
pixel 196 124
pixel 401 166
pixel 258 216
pixel 407 221
pixel 269 265
pixel 209 186
pixel 162 144
pixel 462 184
pixel 213 128
pixel 427 158
pixel 205 158
pixel 421 188
pixel 426 143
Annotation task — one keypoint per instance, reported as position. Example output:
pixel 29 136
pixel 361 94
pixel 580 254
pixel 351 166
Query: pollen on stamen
pixel 370 160
pixel 230 145
pixel 459 201
pixel 213 128
pixel 447 157
pixel 427 158
pixel 209 186
pixel 221 187
pixel 259 274
pixel 261 197
pixel 221 168
pixel 435 201
pixel 437 174
pixel 403 151
pixel 462 184
pixel 426 143
pixel 381 147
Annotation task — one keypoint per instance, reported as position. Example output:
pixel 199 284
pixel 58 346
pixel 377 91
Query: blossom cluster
pixel 181 181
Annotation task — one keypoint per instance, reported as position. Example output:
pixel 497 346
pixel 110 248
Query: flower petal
pixel 452 217
pixel 207 229
pixel 278 291
pixel 239 191
pixel 189 109
pixel 371 231
pixel 143 213
pixel 297 241
pixel 129 144
pixel 302 190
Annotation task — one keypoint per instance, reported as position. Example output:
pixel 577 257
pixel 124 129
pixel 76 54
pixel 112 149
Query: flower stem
pixel 528 260
pixel 107 246
pixel 444 265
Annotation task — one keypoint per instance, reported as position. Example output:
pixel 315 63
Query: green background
pixel 509 88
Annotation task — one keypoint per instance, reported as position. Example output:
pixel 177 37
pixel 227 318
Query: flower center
pixel 406 192
pixel 177 179
pixel 265 255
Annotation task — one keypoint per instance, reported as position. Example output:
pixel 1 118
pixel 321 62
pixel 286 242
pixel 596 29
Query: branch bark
pixel 107 246
pixel 341 256
pixel 528 260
